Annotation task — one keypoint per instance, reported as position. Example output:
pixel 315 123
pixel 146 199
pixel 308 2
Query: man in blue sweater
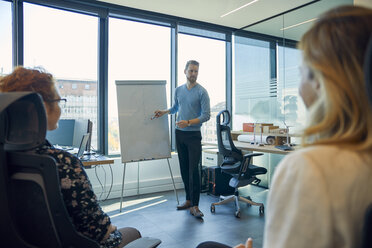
pixel 191 101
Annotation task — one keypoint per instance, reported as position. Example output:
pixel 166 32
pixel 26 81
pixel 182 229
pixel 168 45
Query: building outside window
pixel 137 51
pixel 211 55
pixel 6 38
pixel 53 40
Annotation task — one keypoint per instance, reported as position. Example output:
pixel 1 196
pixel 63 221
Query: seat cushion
pixel 234 169
pixel 256 170
pixel 231 168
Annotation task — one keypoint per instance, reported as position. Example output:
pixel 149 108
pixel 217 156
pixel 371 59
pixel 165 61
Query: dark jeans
pixel 211 244
pixel 189 152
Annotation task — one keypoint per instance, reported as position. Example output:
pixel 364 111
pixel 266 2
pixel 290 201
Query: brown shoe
pixel 185 205
pixel 196 212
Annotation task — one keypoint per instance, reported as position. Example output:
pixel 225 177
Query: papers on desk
pixel 251 138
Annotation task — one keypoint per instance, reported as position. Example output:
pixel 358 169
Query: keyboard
pixel 88 158
pixel 284 148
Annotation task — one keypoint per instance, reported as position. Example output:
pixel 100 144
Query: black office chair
pixel 33 213
pixel 237 165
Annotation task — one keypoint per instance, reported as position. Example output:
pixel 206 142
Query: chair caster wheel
pixel 237 214
pixel 262 210
pixel 213 209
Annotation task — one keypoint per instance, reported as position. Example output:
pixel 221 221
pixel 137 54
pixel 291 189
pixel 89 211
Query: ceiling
pixel 289 25
pixel 210 11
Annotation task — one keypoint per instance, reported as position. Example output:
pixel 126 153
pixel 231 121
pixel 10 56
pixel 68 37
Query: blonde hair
pixel 334 50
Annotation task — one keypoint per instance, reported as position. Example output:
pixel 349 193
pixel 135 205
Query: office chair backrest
pixel 226 146
pixel 32 213
pixel 11 140
pixel 24 131
pixel 367 228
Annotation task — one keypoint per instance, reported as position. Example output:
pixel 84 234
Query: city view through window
pixel 60 47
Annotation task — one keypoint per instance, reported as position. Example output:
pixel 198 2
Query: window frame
pixel 104 11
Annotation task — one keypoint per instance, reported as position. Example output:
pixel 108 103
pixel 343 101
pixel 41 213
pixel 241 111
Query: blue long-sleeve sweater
pixel 191 104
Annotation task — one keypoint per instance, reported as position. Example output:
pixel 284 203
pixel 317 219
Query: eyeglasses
pixel 61 101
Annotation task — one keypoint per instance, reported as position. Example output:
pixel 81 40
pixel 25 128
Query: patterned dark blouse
pixel 80 200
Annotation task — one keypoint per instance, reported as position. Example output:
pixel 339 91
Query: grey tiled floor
pixel 155 215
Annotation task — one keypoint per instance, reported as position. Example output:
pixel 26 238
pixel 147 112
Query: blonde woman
pixel 320 193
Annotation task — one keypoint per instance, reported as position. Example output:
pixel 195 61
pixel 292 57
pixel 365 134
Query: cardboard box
pixel 248 127
pixel 273 127
pixel 281 140
pixel 266 127
pixel 263 127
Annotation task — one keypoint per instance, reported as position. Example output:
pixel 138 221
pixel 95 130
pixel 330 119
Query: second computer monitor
pixel 69 132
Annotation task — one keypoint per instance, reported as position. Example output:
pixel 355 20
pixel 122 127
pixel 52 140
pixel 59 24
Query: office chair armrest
pixel 250 155
pixel 144 242
pixel 246 161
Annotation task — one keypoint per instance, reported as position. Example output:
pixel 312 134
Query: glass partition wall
pixel 266 68
pixel 266 74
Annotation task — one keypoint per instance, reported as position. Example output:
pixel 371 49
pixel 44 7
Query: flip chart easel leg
pixel 122 188
pixel 174 186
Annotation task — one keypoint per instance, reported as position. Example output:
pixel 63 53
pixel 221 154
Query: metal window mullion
pixel 17 32
pixel 174 52
pixel 228 86
pixel 102 118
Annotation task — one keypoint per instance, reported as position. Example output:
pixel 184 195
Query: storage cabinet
pixel 211 157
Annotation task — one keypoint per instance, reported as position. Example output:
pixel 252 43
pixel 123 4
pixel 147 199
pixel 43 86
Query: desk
pixel 269 161
pixel 257 148
pixel 94 162
pixel 97 160
pixel 236 133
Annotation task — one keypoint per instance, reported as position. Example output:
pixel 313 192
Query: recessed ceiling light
pixel 245 5
pixel 298 24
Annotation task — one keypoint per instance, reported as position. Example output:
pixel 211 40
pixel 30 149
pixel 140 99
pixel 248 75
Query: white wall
pixel 154 176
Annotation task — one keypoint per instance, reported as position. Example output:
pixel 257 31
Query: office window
pixel 65 44
pixel 6 38
pixel 293 108
pixel 255 93
pixel 137 51
pixel 211 54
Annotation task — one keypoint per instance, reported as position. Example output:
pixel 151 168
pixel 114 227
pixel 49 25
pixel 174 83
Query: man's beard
pixel 192 79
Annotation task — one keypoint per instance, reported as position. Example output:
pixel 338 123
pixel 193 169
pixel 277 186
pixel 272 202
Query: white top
pixel 318 198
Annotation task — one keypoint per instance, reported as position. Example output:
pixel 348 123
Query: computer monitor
pixel 81 128
pixel 63 135
pixel 69 132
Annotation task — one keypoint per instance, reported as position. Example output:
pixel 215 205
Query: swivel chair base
pixel 236 198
